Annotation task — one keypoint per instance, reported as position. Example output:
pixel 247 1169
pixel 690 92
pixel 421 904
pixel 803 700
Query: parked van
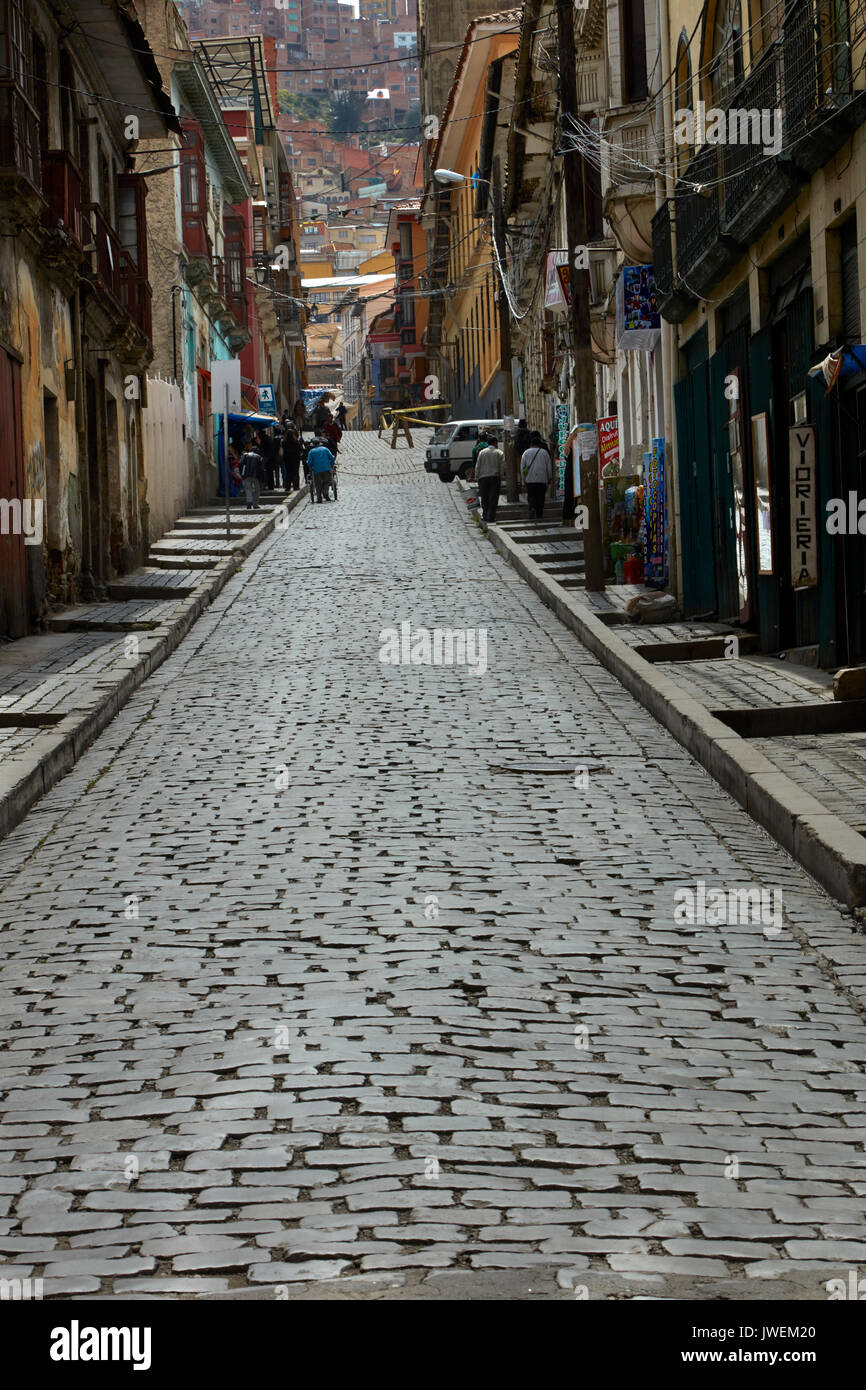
pixel 449 452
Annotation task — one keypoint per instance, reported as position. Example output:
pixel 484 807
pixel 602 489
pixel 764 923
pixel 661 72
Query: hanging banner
pixel 656 559
pixel 804 530
pixel 560 418
pixel 553 295
pixel 638 322
pixel 608 447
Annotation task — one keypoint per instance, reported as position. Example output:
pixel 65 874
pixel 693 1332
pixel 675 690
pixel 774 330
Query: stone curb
pixel 825 845
pixel 27 776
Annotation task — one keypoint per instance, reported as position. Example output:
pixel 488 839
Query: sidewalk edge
pixel 59 749
pixel 825 845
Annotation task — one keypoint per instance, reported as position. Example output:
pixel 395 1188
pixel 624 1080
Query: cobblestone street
pixel 317 967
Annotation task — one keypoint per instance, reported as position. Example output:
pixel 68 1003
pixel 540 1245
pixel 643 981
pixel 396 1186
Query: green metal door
pixel 695 487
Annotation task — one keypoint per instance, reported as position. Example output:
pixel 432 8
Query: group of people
pixel 536 470
pixel 276 456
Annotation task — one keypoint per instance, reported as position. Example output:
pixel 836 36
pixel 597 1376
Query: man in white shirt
pixel 489 467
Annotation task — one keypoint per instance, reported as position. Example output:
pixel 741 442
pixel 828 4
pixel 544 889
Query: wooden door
pixel 13 581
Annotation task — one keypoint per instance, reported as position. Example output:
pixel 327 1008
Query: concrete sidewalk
pixel 769 731
pixel 59 689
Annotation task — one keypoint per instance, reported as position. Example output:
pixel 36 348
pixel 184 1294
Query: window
pixel 633 37
pixel 16 53
pixel 726 66
pixel 850 282
pixel 684 96
pixel 40 90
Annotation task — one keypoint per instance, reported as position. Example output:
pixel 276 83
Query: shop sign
pixel 553 295
pixel 608 446
pixel 804 528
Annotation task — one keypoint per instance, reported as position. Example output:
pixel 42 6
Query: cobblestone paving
pixel 317 967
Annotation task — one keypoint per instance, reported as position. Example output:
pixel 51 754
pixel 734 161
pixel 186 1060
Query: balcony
pixel 704 255
pixel 675 302
pixel 756 186
pixel 20 167
pixel 286 209
pixel 107 252
pixel 629 199
pixel 61 186
pixel 197 246
pixel 135 295
pixel 821 105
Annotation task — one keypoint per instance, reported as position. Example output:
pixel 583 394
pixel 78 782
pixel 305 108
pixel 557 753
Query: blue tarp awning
pixel 846 361
pixel 244 418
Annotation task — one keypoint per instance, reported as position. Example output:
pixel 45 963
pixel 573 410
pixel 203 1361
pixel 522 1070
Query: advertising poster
pixel 656 560
pixel 553 295
pixel 608 446
pixel 638 323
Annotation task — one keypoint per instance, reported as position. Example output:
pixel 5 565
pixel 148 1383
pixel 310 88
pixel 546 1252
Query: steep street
pixel 319 966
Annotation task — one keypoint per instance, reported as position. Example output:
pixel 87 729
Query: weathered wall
pixel 166 468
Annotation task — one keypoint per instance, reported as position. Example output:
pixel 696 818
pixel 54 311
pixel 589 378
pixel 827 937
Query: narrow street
pixel 319 967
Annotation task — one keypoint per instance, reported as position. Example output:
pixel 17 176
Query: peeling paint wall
pixel 166 473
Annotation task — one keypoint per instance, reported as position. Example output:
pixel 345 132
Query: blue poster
pixel 656 559
pixel 561 419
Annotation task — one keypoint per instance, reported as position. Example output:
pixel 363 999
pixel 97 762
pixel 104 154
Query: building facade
pixel 75 300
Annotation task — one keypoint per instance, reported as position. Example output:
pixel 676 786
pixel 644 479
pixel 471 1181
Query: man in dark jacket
pixel 252 467
pixel 291 461
pixel 270 451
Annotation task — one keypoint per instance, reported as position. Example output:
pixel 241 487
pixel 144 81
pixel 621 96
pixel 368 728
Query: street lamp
pixel 448 176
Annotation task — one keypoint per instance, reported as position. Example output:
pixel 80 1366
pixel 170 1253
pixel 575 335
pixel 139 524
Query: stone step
pixel 186 562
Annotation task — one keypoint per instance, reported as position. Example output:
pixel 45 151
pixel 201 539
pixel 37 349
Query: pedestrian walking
pixel 522 439
pixel 341 415
pixel 481 443
pixel 292 452
pixel 489 468
pixel 332 434
pixel 252 467
pixel 321 461
pixel 270 451
pixel 299 415
pixel 536 467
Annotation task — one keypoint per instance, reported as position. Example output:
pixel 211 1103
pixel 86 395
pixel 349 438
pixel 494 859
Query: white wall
pixel 169 487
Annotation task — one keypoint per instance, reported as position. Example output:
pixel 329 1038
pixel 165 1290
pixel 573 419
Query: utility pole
pixel 584 366
pixel 512 493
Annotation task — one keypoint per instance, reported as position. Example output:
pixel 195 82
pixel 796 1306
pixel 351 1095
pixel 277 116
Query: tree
pixel 344 112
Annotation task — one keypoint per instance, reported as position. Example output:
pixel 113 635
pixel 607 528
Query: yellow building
pixel 463 337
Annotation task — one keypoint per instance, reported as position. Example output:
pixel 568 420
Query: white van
pixel 449 452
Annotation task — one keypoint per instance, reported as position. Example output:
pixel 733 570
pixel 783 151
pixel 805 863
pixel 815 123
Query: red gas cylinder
pixel 633 570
